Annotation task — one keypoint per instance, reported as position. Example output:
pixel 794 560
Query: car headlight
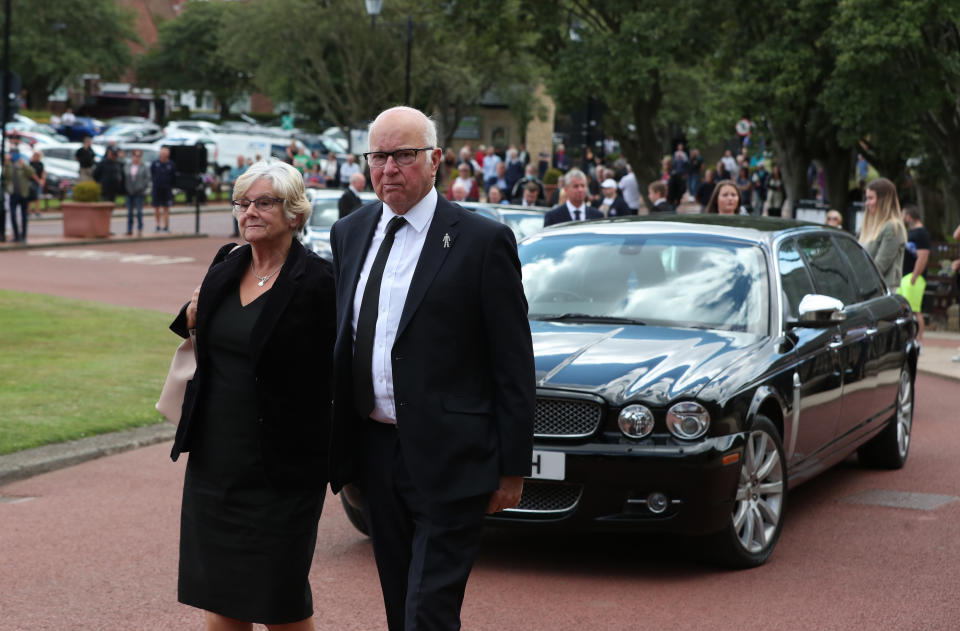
pixel 688 420
pixel 635 421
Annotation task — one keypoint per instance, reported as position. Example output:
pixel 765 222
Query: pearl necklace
pixel 263 279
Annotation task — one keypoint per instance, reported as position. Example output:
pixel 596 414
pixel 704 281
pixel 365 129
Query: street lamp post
pixel 373 10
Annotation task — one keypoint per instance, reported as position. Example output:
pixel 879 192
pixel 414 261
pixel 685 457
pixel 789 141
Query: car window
pixel 865 275
pixel 793 277
pixel 665 280
pixel 830 272
pixel 325 213
pixel 523 225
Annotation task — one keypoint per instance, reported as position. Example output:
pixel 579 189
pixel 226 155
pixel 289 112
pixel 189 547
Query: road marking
pixel 13 499
pixel 900 499
pixel 119 257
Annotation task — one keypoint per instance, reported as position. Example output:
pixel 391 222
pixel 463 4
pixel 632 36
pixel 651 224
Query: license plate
pixel 549 465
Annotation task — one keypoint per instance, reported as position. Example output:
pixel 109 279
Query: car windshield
pixel 325 213
pixel 661 280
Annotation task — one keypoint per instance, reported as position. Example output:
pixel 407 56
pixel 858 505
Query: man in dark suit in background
pixel 575 208
pixel 434 393
pixel 350 200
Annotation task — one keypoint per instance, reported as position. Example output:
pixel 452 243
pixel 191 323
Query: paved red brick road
pixel 95 546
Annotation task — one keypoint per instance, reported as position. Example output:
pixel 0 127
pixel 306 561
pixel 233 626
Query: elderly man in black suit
pixel 575 208
pixel 350 200
pixel 434 392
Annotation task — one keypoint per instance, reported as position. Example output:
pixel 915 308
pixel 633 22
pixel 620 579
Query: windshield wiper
pixel 583 317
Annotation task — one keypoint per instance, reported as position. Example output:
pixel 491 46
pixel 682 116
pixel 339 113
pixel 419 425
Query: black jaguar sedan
pixel 692 368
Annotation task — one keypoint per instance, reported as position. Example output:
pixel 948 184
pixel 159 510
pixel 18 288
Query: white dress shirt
pixel 397 275
pixel 583 211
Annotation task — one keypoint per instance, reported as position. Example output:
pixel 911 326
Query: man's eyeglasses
pixel 402 157
pixel 262 204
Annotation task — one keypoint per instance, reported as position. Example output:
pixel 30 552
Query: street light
pixel 373 10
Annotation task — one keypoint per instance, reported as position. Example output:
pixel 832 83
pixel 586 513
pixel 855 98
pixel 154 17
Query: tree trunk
pixel 793 158
pixel 643 148
pixel 836 166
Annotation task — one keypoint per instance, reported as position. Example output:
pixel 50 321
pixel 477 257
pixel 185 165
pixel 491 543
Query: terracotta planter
pixel 88 220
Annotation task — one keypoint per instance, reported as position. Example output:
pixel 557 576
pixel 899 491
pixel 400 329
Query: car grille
pixel 566 418
pixel 547 497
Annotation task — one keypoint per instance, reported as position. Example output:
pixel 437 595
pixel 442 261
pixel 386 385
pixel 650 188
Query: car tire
pixel 889 449
pixel 757 517
pixel 355 515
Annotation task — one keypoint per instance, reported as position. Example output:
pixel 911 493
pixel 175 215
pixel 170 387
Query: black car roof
pixel 757 229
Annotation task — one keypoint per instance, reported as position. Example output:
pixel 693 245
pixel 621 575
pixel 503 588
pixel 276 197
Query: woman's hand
pixel 192 309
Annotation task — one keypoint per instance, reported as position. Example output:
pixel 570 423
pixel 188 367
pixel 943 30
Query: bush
pixel 552 176
pixel 88 191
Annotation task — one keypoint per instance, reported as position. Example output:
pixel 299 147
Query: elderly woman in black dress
pixel 256 415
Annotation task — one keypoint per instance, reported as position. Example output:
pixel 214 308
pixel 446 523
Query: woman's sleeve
pixel 888 248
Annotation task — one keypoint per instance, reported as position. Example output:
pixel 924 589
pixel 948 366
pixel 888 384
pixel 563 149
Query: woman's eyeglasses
pixel 262 204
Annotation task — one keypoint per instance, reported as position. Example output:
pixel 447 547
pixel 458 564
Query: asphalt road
pixel 95 546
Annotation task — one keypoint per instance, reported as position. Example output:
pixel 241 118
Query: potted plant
pixel 551 180
pixel 86 216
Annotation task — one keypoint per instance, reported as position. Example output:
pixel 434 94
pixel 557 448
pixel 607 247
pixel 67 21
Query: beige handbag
pixel 182 369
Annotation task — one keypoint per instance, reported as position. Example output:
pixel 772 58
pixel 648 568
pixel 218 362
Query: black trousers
pixel 424 549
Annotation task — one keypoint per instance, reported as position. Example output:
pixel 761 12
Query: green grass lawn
pixel 73 368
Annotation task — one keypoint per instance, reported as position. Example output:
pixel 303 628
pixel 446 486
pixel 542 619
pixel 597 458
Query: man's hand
pixel 508 495
pixel 913 278
pixel 192 309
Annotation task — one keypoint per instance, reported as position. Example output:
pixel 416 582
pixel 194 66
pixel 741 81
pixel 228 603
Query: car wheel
pixel 355 515
pixel 889 448
pixel 757 517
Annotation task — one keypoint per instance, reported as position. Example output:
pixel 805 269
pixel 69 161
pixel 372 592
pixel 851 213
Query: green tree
pixel 776 62
pixel 322 56
pixel 53 42
pixel 333 63
pixel 641 60
pixel 896 89
pixel 187 55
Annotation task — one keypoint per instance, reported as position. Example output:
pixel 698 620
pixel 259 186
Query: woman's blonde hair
pixel 287 184
pixel 887 209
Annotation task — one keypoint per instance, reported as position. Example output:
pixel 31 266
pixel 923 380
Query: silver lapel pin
pixel 446 240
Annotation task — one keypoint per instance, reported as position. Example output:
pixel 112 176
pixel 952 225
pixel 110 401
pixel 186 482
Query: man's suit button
pixel 397 358
pixel 401 404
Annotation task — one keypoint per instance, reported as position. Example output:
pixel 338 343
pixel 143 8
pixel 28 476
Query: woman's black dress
pixel 245 547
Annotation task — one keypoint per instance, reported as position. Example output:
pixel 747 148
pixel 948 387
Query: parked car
pixel 523 220
pixel 692 369
pixel 130 132
pixel 84 126
pixel 325 212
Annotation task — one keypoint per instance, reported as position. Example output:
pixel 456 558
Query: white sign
pixel 743 126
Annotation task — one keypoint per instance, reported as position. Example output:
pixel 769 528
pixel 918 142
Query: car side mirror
pixel 817 310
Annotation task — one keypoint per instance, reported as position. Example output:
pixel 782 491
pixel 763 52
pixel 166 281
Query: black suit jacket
pixel 348 203
pixel 463 372
pixel 619 208
pixel 292 344
pixel 663 207
pixel 561 214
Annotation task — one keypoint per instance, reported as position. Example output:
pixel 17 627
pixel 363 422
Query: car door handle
pixel 901 321
pixel 835 343
pixel 872 330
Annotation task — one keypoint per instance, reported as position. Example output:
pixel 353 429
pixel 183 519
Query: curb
pixel 30 462
pixel 110 240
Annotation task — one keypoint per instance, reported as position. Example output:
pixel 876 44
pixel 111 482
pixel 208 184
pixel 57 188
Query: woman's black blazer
pixel 292 349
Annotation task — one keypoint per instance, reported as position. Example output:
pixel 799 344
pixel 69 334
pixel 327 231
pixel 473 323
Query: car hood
pixel 633 362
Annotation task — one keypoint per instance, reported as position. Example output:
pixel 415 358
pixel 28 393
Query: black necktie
pixel 367 324
pixel 576 215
